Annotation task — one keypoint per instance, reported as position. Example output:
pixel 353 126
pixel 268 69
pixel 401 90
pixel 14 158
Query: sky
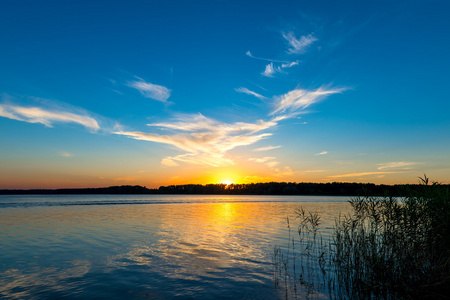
pixel 152 93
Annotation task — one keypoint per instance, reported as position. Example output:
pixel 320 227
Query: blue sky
pixel 98 93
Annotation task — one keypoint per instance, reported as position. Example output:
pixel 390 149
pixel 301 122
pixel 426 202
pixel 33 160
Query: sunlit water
pixel 147 246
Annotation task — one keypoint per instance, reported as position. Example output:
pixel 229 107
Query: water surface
pixel 146 246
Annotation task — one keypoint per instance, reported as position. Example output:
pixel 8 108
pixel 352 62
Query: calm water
pixel 146 246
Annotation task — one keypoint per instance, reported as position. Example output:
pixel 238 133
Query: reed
pixel 302 268
pixel 386 248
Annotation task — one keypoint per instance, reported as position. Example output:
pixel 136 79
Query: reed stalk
pixel 386 248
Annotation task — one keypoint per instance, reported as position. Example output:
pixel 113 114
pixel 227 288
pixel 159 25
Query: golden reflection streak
pixel 198 240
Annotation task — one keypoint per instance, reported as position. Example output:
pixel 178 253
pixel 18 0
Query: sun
pixel 227 182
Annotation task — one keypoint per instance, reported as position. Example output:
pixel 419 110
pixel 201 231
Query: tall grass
pixel 302 268
pixel 386 248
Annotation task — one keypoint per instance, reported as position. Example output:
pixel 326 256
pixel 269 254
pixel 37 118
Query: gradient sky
pixel 100 93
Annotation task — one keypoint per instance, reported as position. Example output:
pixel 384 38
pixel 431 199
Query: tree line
pixel 270 188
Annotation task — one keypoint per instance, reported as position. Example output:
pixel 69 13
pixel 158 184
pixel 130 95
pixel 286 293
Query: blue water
pixel 146 246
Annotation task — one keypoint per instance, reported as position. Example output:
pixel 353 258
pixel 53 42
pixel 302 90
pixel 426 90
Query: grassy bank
pixel 386 248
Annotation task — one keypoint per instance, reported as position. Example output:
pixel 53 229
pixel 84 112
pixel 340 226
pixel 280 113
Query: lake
pixel 147 246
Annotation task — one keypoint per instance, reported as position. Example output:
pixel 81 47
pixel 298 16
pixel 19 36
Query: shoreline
pixel 272 188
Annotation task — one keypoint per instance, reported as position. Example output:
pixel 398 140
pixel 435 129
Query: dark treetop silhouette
pixel 270 188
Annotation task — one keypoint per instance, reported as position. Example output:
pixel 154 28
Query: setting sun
pixel 164 149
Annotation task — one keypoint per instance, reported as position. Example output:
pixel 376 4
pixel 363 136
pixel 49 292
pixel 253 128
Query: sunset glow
pixel 221 92
pixel 163 149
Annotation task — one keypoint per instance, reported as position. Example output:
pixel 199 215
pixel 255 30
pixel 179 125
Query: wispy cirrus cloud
pixel 200 123
pixel 405 165
pixel 249 92
pixel 322 153
pixel 150 90
pixel 262 159
pixel 290 65
pixel 267 148
pixel 206 159
pixel 206 141
pixel 298 46
pixel 384 169
pixel 249 54
pixel 273 165
pixel 361 174
pixel 46 116
pixel 169 162
pixel 299 99
pixel 270 69
pixel 268 160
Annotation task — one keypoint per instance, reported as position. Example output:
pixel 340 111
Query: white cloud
pixel 322 153
pixel 262 160
pixel 169 162
pixel 298 46
pixel 206 141
pixel 361 174
pixel 150 90
pixel 299 99
pixel 269 70
pixel 249 92
pixel 46 116
pixel 399 164
pixel 268 161
pixel 207 159
pixel 290 65
pixel 267 148
pixel 249 54
pixel 199 123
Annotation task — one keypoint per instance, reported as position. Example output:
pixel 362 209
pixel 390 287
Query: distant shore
pixel 271 188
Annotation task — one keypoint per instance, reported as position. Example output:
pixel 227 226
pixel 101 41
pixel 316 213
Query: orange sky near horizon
pixel 173 92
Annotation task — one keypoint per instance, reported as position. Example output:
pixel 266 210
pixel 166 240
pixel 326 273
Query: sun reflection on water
pixel 194 250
